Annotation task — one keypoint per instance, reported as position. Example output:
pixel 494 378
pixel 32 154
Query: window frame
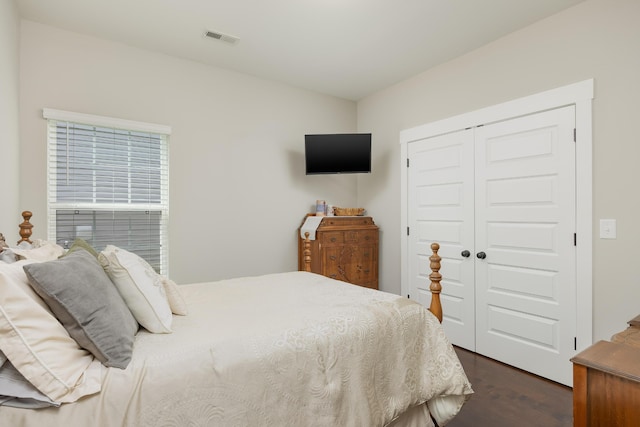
pixel 56 116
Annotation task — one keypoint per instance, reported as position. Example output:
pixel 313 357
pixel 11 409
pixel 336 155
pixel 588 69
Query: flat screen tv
pixel 337 153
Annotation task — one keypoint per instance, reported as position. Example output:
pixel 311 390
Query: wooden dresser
pixel 606 381
pixel 345 248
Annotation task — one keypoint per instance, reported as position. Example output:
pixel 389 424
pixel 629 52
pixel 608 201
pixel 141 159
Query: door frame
pixel 578 94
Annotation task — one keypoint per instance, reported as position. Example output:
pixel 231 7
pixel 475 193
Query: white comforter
pixel 291 349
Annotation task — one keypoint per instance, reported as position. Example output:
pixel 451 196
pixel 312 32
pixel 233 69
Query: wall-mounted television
pixel 337 153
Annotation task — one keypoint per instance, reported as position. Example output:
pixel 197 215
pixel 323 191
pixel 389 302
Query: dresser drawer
pixel 352 236
pixel 360 236
pixel 333 237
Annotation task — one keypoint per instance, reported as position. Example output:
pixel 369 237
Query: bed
pixel 295 349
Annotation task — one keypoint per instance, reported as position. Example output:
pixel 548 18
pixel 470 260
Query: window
pixel 108 183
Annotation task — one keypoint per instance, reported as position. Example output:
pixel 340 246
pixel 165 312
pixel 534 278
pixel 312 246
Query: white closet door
pixel 525 225
pixel 440 198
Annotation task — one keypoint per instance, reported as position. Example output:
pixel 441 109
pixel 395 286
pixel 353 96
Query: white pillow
pixel 140 286
pixel 37 344
pixel 176 302
pixel 40 250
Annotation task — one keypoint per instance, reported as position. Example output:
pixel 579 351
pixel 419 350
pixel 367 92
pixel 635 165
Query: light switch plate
pixel 607 228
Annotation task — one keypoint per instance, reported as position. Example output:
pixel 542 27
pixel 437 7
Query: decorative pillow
pixel 37 344
pixel 16 274
pixel 82 244
pixel 140 286
pixel 176 302
pixel 41 250
pixel 87 304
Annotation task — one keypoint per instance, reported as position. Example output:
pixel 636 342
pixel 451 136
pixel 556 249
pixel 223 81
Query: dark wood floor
pixel 505 396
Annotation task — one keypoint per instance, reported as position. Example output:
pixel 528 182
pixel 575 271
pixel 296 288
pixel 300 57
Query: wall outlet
pixel 607 228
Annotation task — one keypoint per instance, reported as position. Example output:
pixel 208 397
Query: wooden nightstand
pixel 606 381
pixel 345 248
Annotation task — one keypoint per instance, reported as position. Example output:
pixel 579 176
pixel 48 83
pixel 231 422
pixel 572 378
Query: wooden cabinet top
pixel 616 359
pixel 339 222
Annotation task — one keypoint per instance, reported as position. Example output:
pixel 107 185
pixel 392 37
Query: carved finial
pixel 25 227
pixel 307 252
pixel 435 277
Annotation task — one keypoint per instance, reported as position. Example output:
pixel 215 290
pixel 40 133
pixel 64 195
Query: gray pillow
pixel 81 244
pixel 82 297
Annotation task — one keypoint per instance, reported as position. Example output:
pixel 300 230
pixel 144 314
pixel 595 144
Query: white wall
pixel 9 138
pixel 238 190
pixel 237 136
pixel 596 39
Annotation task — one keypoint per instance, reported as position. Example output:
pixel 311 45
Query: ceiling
pixel 344 48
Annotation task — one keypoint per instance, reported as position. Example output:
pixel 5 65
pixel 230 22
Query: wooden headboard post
pixel 25 227
pixel 435 287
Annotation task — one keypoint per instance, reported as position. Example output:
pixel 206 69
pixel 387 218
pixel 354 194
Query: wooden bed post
pixel 307 252
pixel 435 287
pixel 25 227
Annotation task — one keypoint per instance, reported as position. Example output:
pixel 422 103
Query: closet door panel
pixel 525 222
pixel 440 197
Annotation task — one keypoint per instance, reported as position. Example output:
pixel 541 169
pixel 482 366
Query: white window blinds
pixel 108 183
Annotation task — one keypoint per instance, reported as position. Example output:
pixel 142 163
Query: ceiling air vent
pixel 222 37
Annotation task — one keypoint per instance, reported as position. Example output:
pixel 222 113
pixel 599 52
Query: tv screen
pixel 337 153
